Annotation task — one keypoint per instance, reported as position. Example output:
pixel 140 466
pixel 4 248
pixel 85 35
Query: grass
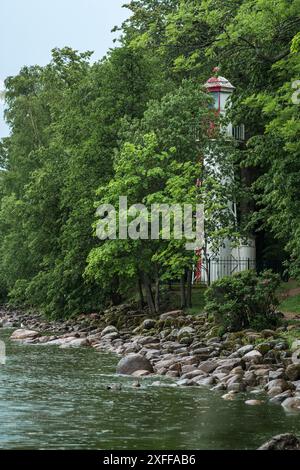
pixel 290 305
pixel 286 286
pixel 291 336
pixel 198 300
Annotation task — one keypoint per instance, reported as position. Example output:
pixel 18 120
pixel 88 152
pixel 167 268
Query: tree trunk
pixel 189 288
pixel 141 295
pixel 149 294
pixel 157 295
pixel 182 292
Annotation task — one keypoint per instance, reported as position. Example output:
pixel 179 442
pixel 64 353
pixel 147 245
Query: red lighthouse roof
pixel 219 84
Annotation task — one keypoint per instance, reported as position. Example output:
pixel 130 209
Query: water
pixel 53 398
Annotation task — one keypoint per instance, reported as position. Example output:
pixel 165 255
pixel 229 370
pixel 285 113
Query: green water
pixel 52 398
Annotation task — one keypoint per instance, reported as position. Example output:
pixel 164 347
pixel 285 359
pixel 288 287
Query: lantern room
pixel 220 89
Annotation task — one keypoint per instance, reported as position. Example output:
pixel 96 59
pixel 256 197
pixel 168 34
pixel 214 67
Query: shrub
pixel 244 300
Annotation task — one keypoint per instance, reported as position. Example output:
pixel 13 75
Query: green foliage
pixel 245 300
pixel 162 167
pixel 127 125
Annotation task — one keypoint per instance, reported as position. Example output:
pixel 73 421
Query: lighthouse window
pixel 215 97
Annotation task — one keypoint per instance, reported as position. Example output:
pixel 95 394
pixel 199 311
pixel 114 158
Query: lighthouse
pixel 228 260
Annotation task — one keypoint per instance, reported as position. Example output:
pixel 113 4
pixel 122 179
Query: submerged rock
pixel 254 402
pixel 132 363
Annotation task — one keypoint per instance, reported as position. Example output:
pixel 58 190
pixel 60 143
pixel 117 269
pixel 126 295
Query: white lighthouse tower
pixel 228 260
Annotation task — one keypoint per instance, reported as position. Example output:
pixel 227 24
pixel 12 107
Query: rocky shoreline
pixel 184 348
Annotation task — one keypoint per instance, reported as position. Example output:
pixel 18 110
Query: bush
pixel 245 300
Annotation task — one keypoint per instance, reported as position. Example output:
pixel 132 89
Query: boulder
pixel 278 399
pixel 280 383
pixel 268 333
pixel 274 391
pixel 208 366
pixel 250 378
pixel 276 374
pixel 132 363
pixel 236 387
pixel 173 314
pixel 185 331
pixel 75 343
pixel 148 324
pixel 293 372
pixel 291 404
pixel 253 356
pixel 108 330
pixel 282 442
pixel 244 350
pixel 263 348
pixel 111 336
pixel 295 345
pixel 205 381
pixel 23 334
pixel 229 363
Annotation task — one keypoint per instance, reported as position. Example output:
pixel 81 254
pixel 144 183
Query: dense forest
pixel 83 133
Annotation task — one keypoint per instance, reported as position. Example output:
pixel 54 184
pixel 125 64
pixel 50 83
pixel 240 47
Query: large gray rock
pixel 291 404
pixel 173 314
pixel 244 350
pixel 282 442
pixel 132 363
pixel 253 356
pixel 108 330
pixel 208 366
pixel 22 334
pixel 295 345
pixel 75 343
pixel 293 372
pixel 278 399
pixel 148 324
